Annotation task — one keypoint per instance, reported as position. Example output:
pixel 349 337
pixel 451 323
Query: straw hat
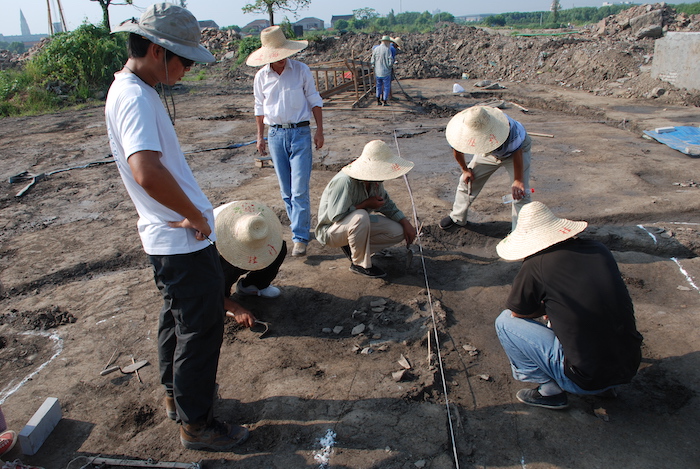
pixel 171 27
pixel 537 229
pixel 479 129
pixel 248 234
pixel 398 42
pixel 377 163
pixel 275 46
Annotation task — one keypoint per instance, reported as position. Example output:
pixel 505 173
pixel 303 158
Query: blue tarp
pixel 685 139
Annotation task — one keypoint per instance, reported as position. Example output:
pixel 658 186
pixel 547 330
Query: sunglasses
pixel 187 63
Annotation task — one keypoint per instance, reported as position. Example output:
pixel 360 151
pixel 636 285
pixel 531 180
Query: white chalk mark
pixel 522 462
pixel 58 348
pixel 687 277
pixel 324 455
pixel 649 233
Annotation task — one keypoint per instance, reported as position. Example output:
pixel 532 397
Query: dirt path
pixel 71 257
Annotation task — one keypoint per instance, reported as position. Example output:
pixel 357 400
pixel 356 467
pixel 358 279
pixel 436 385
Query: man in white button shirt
pixel 285 100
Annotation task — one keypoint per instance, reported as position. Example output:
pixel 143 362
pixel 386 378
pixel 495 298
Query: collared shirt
pixel 515 139
pixel 340 197
pixel 382 60
pixel 285 98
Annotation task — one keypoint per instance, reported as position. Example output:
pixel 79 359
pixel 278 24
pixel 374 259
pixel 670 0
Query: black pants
pixel 260 278
pixel 191 328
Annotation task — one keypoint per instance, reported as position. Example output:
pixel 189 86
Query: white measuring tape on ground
pixel 58 348
pixel 432 311
pixel 687 277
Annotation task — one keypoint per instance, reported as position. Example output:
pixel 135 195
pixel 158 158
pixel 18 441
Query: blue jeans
pixel 383 87
pixel 534 352
pixel 290 150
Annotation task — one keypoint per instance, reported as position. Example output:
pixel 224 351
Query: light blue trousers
pixel 291 154
pixel 383 87
pixel 534 352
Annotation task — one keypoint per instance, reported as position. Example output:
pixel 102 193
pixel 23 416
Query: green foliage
pixel 70 69
pixel 82 62
pixel 14 47
pixel 233 26
pixel 287 29
pixel 342 24
pixel 247 45
pixel 269 7
pixel 687 8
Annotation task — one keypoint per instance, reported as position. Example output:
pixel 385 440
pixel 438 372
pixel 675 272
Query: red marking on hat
pixel 271 249
pixel 565 230
pixel 252 260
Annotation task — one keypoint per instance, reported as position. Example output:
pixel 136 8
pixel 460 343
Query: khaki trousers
pixel 483 166
pixel 365 234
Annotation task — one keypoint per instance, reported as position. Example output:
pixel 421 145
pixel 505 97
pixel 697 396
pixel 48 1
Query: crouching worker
pixel 593 344
pixel 250 244
pixel 345 218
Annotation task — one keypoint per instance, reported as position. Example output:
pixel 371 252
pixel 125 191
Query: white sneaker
pixel 252 290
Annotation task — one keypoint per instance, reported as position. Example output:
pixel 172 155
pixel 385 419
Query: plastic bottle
pixel 508 198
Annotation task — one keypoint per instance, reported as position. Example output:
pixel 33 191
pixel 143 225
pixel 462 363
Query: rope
pixel 432 314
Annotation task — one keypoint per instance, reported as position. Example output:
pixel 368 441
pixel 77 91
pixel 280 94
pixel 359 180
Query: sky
pixel 227 12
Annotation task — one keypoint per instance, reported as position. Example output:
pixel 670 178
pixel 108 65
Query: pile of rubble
pixel 611 60
pixel 647 20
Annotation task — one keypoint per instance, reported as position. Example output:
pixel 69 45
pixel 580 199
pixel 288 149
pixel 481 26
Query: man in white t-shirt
pixel 176 220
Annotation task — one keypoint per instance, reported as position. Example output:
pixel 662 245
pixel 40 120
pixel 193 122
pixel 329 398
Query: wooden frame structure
pixel 343 81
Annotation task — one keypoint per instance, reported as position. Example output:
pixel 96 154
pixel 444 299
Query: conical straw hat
pixel 477 130
pixel 275 46
pixel 377 163
pixel 248 234
pixel 537 229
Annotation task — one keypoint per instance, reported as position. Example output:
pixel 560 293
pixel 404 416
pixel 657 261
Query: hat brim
pixel 525 243
pixel 267 55
pixel 364 170
pixel 466 140
pixel 198 54
pixel 235 251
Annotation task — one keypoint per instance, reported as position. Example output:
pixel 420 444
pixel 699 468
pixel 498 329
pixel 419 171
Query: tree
pixel 365 13
pixel 555 8
pixel 105 10
pixel 270 6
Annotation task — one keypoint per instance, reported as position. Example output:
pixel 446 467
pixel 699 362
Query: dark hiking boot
pixel 447 223
pixel 384 103
pixel 214 436
pixel 534 398
pixel 379 102
pixel 372 272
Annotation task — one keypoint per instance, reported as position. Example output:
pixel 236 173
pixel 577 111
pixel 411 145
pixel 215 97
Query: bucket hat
pixel 171 27
pixel 385 38
pixel 479 129
pixel 377 163
pixel 275 46
pixel 537 229
pixel 248 234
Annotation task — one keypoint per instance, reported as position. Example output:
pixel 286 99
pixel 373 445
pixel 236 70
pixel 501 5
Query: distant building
pixel 24 27
pixel 310 24
pixel 470 18
pixel 208 24
pixel 255 26
pixel 340 17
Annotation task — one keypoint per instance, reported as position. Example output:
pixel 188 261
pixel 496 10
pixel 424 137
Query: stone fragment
pixel 403 361
pixel 326 330
pixel 359 329
pixel 398 375
pixel 337 329
pixel 379 302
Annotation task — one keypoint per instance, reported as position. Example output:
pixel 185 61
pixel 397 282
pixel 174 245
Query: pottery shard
pixel 403 361
pixel 398 375
pixel 359 329
pixel 471 350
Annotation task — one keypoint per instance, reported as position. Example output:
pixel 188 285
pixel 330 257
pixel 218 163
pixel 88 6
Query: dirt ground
pixel 76 288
